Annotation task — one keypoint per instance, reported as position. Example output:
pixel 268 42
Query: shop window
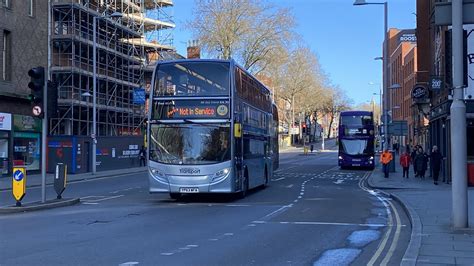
pixel 26 150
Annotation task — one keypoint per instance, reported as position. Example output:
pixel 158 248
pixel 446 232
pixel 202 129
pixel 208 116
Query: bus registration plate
pixel 356 164
pixel 189 190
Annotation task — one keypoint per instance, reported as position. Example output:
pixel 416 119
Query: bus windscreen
pixel 192 79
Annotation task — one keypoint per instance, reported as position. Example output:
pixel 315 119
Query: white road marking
pixel 192 246
pixel 278 179
pixel 129 263
pixel 339 181
pixel 214 239
pixel 290 186
pixel 229 234
pixel 100 198
pixel 90 203
pixel 322 223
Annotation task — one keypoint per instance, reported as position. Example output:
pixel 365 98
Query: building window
pixel 5 3
pixel 6 56
pixel 31 8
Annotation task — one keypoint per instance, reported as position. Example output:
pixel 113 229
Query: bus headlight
pixel 371 158
pixel 221 174
pixel 340 157
pixel 157 174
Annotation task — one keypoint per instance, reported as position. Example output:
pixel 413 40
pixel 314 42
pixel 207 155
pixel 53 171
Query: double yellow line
pixel 390 208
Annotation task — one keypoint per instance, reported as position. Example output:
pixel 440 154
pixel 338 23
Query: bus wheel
pixel 175 196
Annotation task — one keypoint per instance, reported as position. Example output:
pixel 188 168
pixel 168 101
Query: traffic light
pixel 36 84
pixel 303 125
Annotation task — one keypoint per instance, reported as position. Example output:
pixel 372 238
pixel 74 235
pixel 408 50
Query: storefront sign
pixel 436 83
pixel 419 92
pixel 469 90
pixel 5 121
pixel 26 123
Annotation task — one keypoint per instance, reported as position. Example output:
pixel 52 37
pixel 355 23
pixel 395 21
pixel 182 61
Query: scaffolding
pixel 122 49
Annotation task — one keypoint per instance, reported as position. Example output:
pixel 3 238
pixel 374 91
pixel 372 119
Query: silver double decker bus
pixel 211 129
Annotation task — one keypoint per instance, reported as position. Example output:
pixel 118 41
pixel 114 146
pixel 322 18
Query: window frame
pixel 31 8
pixel 6 56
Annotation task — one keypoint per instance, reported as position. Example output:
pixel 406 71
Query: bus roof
pixel 348 113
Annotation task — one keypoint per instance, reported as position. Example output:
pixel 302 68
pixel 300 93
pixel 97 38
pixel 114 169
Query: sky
pixel 346 38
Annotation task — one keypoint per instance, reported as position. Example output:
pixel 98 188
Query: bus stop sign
pixel 19 184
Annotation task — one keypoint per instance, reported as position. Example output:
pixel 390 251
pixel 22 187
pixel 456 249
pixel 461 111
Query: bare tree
pixel 335 102
pixel 298 78
pixel 371 107
pixel 250 31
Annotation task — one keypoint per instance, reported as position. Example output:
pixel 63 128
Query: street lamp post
pixel 94 86
pixel 385 63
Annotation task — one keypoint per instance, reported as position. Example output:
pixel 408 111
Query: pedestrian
pixel 408 148
pixel 405 163
pixel 385 159
pixel 420 163
pixel 412 157
pixel 435 161
pixel 142 156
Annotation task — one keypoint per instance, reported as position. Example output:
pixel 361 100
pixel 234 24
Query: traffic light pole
pixel 45 117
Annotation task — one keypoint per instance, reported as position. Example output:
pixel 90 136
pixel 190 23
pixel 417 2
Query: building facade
pixel 401 75
pixel 23 45
pixel 435 72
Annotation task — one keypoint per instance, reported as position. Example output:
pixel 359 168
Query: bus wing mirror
pixel 237 130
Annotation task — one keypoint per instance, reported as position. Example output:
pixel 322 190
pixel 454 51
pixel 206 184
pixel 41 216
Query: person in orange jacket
pixel 385 159
pixel 405 163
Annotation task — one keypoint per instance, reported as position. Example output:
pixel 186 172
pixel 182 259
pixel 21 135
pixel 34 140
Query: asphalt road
pixel 311 214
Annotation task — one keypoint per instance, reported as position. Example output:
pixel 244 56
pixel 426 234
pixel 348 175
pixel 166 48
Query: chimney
pixel 194 51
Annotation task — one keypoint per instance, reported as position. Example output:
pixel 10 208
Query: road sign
pixel 398 128
pixel 19 184
pixel 37 110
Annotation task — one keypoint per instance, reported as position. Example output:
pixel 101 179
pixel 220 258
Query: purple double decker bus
pixel 356 139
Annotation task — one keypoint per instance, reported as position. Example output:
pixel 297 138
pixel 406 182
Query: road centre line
pixel 278 179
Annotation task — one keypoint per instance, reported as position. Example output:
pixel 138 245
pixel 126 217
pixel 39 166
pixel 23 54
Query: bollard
pixel 60 179
pixel 19 184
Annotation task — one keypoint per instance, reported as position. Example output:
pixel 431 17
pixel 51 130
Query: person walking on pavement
pixel 142 156
pixel 405 163
pixel 385 159
pixel 412 157
pixel 435 162
pixel 420 163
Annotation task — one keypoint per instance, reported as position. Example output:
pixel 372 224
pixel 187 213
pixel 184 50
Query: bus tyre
pixel 175 196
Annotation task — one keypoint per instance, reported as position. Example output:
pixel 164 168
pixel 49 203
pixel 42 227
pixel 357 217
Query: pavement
pixel 433 239
pixel 36 181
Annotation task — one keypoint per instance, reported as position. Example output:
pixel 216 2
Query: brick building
pixel 402 69
pixel 23 45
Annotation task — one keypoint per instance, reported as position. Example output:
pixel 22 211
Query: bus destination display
pixel 191 109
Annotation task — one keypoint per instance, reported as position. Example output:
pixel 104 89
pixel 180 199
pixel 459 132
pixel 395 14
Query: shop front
pixel 5 135
pixel 27 142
